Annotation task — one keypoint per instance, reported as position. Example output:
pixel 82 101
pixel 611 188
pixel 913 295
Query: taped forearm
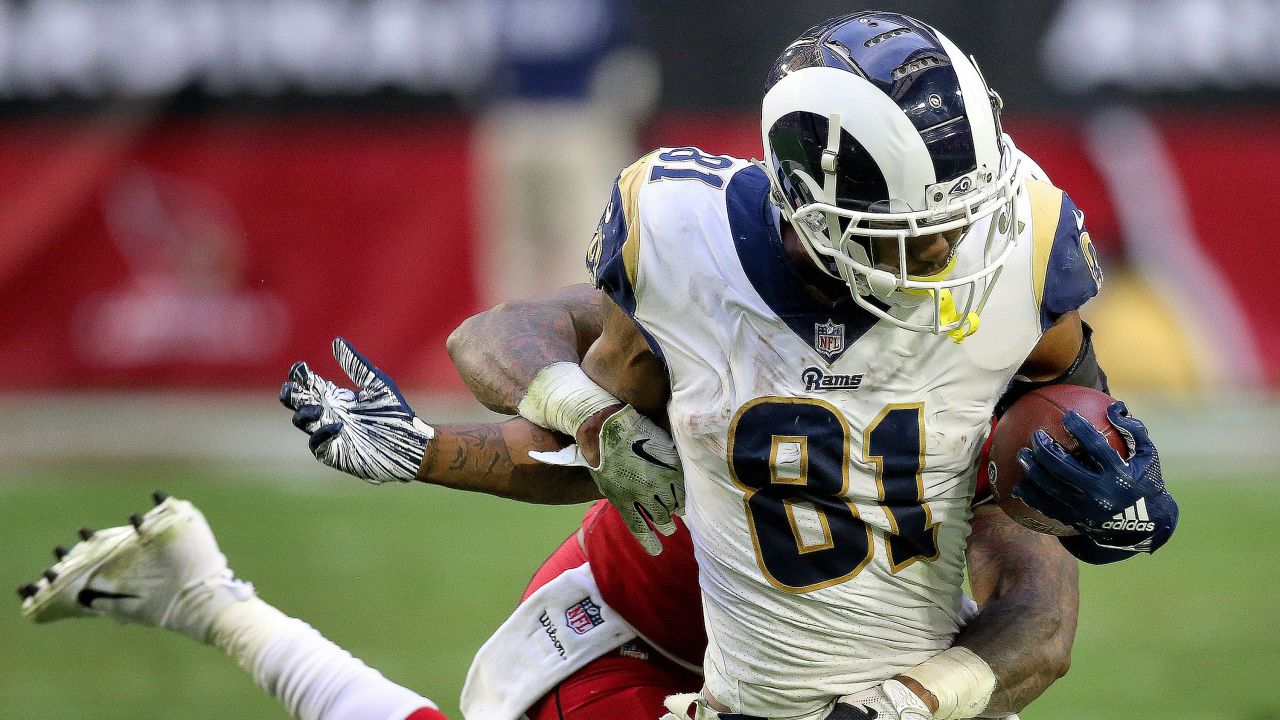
pixel 960 681
pixel 562 397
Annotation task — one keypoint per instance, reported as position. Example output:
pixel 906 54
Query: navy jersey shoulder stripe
pixel 1067 270
pixel 773 273
pixel 614 255
pixel 605 256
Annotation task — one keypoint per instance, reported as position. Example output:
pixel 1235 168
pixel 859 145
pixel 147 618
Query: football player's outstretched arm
pixel 372 433
pixel 1028 589
pixel 526 357
pixel 494 459
pixel 498 352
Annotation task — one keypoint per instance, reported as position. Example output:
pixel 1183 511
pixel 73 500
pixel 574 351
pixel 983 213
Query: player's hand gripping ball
pixel 370 433
pixel 1042 411
pixel 1068 460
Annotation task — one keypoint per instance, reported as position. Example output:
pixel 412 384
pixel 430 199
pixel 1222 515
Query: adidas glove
pixel 371 433
pixel 1118 505
pixel 639 472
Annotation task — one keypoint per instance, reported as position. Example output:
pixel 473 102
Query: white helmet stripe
pixel 977 107
pixel 866 113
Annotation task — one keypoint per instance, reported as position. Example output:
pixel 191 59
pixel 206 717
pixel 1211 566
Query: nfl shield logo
pixel 583 615
pixel 828 339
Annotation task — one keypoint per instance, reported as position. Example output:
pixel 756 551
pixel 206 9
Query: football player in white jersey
pixel 811 330
pixel 828 334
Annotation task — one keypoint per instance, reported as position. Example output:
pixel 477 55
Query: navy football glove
pixel 372 434
pixel 1119 505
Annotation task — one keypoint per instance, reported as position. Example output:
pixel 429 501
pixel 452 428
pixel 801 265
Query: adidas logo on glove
pixel 1133 518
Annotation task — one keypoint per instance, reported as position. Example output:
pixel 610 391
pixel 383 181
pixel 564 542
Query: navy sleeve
pixel 1072 274
pixel 606 259
pixel 614 256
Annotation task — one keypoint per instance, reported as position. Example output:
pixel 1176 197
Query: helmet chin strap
pixel 948 314
pixel 943 300
pixel 830 165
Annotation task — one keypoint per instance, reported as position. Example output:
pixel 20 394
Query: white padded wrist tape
pixel 960 680
pixel 562 397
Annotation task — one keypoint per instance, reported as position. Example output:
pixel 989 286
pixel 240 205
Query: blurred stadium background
pixel 196 193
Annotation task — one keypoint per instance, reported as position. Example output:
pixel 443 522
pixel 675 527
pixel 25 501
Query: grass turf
pixel 413 579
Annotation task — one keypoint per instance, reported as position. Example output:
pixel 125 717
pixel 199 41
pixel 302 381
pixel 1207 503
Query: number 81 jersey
pixel 829 458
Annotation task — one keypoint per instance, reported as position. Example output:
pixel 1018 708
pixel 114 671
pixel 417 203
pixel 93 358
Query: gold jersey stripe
pixel 1046 211
pixel 629 183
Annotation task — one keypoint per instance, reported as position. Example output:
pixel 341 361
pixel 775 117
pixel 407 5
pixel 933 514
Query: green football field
pixel 412 579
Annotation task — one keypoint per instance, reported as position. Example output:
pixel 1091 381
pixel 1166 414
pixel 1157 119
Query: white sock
pixel 313 677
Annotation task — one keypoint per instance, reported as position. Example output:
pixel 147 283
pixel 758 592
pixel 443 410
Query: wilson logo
pixel 549 628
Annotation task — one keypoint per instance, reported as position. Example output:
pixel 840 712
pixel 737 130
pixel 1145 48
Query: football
pixel 1042 408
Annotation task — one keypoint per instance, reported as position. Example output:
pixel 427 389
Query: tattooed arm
pixel 1029 591
pixel 499 351
pixel 494 459
pixel 372 433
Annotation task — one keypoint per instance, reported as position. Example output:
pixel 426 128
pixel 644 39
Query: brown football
pixel 1042 408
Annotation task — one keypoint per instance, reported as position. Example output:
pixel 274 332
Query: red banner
pixel 215 252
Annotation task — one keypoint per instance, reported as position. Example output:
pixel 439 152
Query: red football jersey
pixel 659 595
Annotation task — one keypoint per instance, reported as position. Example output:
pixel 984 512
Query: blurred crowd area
pixel 199 192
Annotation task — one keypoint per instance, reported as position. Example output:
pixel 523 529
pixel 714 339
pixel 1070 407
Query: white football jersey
pixel 829 458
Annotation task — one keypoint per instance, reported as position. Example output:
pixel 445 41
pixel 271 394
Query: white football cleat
pixel 163 570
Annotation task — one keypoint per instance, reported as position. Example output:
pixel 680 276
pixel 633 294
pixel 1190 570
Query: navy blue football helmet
pixel 877 129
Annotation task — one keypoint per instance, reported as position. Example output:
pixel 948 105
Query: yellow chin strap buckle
pixel 949 316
